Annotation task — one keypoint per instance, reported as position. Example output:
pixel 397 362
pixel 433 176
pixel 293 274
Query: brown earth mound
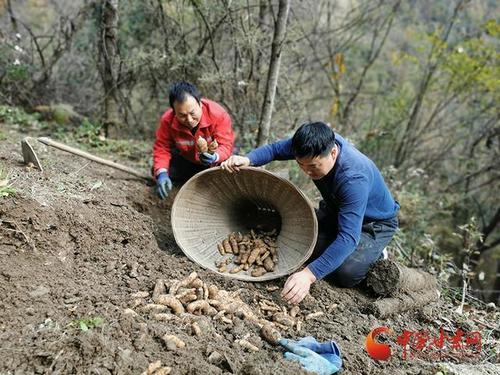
pixel 77 241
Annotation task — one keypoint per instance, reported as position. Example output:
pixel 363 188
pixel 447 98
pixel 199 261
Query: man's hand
pixel 163 185
pixel 208 159
pixel 234 162
pixel 310 360
pixel 297 286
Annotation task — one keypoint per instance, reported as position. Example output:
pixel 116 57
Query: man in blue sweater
pixel 357 216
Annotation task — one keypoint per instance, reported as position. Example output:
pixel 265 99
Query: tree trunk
pixel 408 139
pixel 108 64
pixel 12 17
pixel 272 77
pixel 258 55
pixel 495 295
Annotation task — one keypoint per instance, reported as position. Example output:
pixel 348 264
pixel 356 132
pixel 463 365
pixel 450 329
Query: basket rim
pixel 265 277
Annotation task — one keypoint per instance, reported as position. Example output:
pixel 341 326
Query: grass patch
pixel 88 136
pixel 87 323
pixel 5 188
pixel 17 116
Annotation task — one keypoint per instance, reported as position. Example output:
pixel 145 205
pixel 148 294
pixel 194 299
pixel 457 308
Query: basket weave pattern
pixel 214 203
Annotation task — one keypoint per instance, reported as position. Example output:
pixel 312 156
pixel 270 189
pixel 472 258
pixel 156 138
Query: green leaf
pixel 83 326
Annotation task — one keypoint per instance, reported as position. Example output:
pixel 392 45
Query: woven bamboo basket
pixel 214 203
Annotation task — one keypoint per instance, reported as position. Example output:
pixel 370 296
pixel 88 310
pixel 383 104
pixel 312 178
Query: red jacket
pixel 215 123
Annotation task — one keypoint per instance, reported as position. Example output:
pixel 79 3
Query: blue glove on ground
pixel 320 358
pixel 163 185
pixel 208 159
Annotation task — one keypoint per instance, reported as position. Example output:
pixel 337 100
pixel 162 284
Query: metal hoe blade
pixel 29 155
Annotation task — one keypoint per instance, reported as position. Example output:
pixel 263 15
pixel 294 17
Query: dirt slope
pixel 78 240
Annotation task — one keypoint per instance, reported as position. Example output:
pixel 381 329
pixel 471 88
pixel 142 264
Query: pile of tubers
pixel 184 299
pixel 256 252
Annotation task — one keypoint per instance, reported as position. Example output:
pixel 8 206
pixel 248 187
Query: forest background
pixel 415 85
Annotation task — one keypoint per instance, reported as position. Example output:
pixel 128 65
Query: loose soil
pixel 77 240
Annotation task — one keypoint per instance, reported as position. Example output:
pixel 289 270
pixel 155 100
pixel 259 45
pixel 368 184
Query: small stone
pixel 125 355
pixel 215 358
pixel 332 307
pixel 69 301
pixel 30 311
pixel 39 292
pixel 111 266
pixel 133 272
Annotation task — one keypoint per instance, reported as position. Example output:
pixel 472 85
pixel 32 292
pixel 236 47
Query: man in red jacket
pixel 175 155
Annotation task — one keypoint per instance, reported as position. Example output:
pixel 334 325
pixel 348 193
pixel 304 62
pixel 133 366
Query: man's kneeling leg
pixel 369 250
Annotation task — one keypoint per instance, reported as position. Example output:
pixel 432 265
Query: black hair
pixel 313 139
pixel 180 89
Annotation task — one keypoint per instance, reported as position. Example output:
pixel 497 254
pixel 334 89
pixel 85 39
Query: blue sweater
pixel 354 190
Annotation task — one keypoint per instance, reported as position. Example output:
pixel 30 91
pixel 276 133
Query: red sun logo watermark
pixel 421 344
pixel 375 349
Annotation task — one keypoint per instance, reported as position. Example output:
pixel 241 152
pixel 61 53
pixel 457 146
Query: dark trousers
pixel 182 169
pixel 375 236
